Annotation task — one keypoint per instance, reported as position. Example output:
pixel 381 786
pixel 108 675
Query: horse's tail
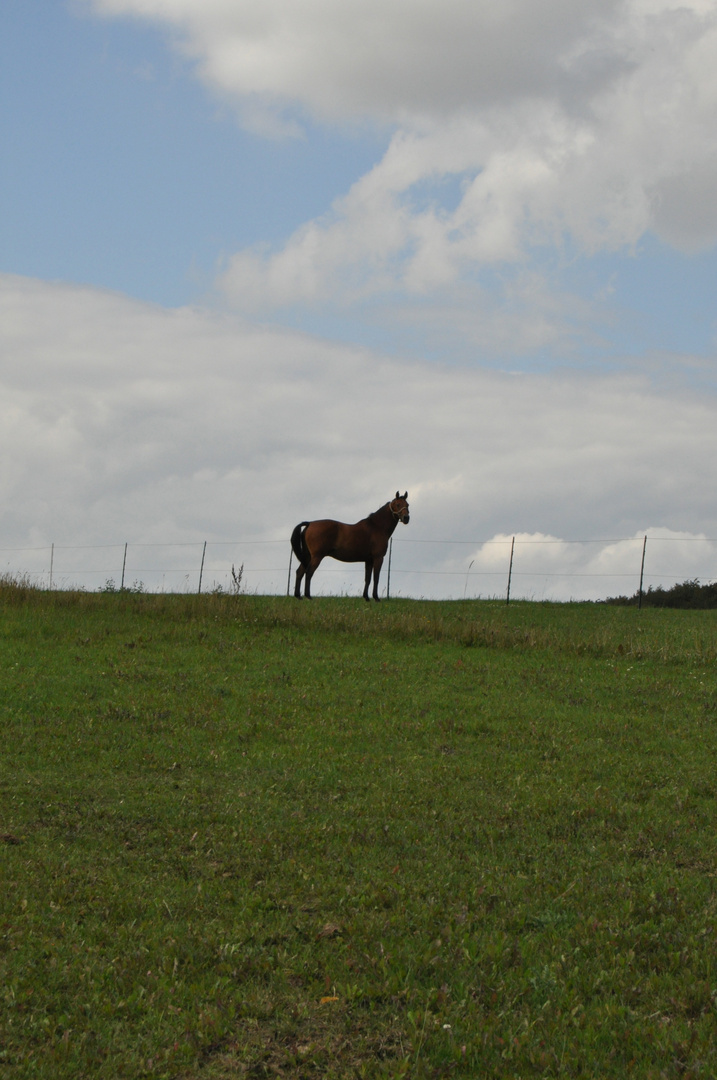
pixel 297 543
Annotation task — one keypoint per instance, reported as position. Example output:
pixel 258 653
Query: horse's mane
pixel 383 507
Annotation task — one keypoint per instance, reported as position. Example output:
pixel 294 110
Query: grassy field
pixel 245 836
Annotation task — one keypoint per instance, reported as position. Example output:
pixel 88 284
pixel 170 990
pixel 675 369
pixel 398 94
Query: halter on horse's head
pixel 399 508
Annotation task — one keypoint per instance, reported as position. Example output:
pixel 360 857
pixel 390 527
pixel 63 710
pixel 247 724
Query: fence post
pixel 124 564
pixel 388 576
pixel 288 579
pixel 52 560
pixel 642 573
pixel 510 570
pixel 201 568
pixel 465 587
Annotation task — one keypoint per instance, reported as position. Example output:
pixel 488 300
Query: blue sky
pixel 499 225
pixel 127 173
pixel 122 171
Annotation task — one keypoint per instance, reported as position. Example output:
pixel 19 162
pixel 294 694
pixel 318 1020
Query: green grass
pixel 255 837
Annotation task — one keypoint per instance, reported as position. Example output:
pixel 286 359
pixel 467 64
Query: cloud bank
pixel 120 421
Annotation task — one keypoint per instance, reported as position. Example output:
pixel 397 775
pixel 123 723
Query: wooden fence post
pixel 510 570
pixel 465 587
pixel 201 568
pixel 388 576
pixel 124 564
pixel 642 573
pixel 288 579
pixel 52 561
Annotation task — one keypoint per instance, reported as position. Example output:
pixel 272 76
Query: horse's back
pixel 347 543
pixel 321 535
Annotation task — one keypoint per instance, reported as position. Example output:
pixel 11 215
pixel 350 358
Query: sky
pixel 267 263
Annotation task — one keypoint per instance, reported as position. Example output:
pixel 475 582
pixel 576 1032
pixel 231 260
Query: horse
pixel 366 542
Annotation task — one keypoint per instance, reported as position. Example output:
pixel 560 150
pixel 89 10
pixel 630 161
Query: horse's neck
pixel 385 518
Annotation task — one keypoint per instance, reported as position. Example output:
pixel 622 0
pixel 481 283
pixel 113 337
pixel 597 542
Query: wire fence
pixel 511 567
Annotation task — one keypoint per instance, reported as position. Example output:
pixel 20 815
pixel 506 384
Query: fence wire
pixel 572 572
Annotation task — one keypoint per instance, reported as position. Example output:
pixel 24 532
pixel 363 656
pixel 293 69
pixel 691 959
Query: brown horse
pixel 365 542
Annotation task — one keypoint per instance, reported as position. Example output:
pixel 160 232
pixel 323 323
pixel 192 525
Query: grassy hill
pixel 245 836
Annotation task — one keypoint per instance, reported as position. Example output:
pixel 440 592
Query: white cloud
pixel 388 59
pixel 547 567
pixel 566 120
pixel 120 421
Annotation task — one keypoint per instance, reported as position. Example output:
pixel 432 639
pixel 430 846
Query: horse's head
pixel 399 507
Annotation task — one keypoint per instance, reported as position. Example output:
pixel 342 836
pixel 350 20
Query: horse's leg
pixel 369 568
pixel 377 564
pixel 299 575
pixel 310 571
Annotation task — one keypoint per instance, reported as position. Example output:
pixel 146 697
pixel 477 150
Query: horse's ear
pixel 405 496
pixel 397 495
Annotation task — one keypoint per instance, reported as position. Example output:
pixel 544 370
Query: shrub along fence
pixel 641 568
